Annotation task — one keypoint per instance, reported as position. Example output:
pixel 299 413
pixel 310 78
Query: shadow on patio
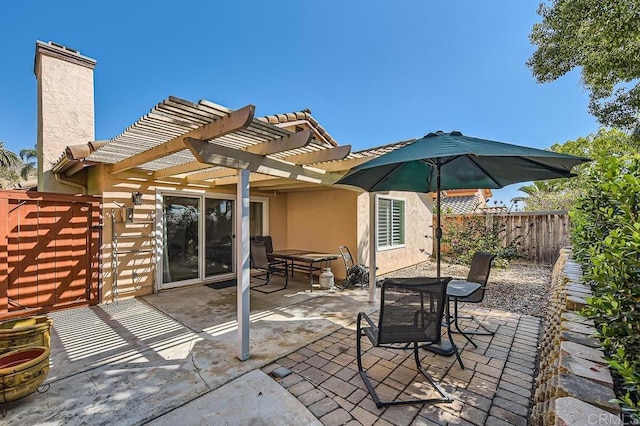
pixel 135 360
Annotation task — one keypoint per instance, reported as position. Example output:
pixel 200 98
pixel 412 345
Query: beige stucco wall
pixel 322 220
pixel 278 216
pixel 418 232
pixel 137 271
pixel 65 109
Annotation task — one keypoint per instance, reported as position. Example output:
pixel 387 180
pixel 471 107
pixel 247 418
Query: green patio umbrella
pixel 441 161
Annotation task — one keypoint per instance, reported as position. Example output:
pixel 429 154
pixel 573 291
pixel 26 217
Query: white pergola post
pixel 372 247
pixel 242 262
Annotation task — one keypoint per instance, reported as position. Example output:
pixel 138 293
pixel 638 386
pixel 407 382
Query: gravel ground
pixel 521 288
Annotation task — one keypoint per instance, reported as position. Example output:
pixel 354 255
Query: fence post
pixel 4 253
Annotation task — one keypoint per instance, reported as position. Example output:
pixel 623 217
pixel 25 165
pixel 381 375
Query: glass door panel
pixel 181 260
pixel 218 234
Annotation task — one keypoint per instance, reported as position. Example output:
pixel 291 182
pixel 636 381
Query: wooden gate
pixel 49 252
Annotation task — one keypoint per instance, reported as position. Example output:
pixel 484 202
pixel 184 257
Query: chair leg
pixel 455 347
pixel 444 397
pixel 455 323
pixel 487 332
pixel 266 280
pixel 363 375
pixel 286 282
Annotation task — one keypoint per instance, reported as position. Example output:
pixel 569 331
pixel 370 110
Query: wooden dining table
pixel 305 260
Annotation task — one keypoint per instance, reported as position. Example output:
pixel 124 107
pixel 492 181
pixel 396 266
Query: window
pixel 390 222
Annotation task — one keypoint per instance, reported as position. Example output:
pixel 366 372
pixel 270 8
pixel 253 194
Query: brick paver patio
pixel 495 388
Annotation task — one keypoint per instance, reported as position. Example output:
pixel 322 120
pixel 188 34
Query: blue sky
pixel 372 72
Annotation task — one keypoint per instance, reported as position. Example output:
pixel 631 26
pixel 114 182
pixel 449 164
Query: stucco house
pixel 185 185
pixel 466 201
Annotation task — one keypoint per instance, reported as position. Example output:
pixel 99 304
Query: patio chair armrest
pixel 362 315
pixel 371 331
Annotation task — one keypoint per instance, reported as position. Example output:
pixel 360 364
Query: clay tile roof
pixel 305 114
pixel 383 149
pixel 460 205
pixel 80 152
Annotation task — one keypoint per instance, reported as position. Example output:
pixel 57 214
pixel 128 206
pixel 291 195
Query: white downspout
pixel 372 247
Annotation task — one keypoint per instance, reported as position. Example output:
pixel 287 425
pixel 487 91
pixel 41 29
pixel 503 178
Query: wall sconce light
pixel 136 197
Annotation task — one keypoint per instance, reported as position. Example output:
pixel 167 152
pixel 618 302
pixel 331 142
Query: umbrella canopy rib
pixel 393 169
pixel 559 171
pixel 487 173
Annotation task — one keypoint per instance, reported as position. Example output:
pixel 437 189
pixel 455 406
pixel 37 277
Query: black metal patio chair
pixel 411 312
pixel 478 273
pixel 268 242
pixel 260 260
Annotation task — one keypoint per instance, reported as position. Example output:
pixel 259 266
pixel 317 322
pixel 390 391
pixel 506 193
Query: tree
pixel 7 158
pixel 556 200
pixel 603 39
pixel 561 194
pixel 28 155
pixel 602 146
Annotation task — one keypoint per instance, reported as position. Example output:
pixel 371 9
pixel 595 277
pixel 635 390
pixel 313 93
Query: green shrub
pixel 606 240
pixel 479 232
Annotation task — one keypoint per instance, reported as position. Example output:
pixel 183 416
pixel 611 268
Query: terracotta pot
pixel 25 333
pixel 22 371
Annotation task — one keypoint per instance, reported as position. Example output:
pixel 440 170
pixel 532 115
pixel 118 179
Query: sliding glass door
pixel 198 237
pixel 219 236
pixel 181 254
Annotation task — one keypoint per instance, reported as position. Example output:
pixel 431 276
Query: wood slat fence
pixel 543 233
pixel 49 252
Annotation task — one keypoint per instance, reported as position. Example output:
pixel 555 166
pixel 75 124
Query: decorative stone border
pixel 574 384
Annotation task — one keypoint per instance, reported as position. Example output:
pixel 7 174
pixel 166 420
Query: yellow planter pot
pixel 22 371
pixel 25 333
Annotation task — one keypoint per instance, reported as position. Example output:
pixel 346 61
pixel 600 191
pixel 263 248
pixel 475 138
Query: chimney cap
pixel 57 50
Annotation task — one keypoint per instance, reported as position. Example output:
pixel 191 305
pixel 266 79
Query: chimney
pixel 65 107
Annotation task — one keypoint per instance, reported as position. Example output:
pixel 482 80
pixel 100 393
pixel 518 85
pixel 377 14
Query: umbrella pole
pixel 438 228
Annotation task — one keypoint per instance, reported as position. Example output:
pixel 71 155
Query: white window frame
pixel 403 222
pixel 265 211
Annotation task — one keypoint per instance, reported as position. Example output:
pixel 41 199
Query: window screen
pixel 390 222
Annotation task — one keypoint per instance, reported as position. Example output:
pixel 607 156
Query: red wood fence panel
pixel 49 252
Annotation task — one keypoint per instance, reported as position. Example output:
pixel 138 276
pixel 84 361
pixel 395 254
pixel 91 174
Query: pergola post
pixel 372 247
pixel 242 262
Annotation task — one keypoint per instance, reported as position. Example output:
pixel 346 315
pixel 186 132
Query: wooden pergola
pixel 207 145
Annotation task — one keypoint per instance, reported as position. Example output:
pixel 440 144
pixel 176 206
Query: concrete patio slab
pixel 253 399
pixel 131 362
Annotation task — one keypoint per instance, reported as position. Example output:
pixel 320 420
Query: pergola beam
pixel 218 155
pixel 236 120
pixel 191 166
pixel 254 179
pixel 343 165
pixel 218 173
pixel 330 154
pixel 299 186
pixel 285 143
